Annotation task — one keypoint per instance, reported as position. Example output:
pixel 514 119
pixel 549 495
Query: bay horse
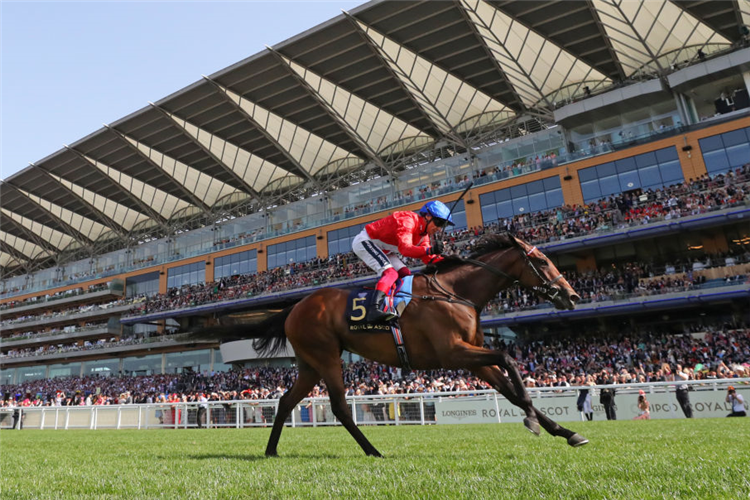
pixel 440 328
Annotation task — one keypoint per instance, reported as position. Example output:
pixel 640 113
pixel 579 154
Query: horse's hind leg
pixel 465 355
pixel 306 380
pixel 500 382
pixel 334 380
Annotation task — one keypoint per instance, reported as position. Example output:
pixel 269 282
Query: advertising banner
pixel 562 407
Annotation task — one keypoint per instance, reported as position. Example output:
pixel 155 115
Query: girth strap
pixel 400 348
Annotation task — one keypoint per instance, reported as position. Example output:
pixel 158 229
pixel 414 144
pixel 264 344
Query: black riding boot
pixel 376 313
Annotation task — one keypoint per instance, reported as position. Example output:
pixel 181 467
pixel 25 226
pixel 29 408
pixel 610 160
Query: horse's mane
pixel 486 244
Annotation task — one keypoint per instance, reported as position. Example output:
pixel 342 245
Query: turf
pixel 650 459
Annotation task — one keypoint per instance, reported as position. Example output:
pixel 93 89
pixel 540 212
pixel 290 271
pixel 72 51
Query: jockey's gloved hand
pixel 437 247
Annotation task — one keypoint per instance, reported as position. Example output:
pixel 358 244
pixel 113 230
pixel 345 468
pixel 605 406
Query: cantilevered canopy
pixel 371 85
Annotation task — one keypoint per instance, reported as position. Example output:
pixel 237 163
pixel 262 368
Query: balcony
pixel 64 319
pixel 54 302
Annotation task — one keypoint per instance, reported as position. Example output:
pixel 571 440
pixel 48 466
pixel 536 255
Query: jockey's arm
pixel 404 234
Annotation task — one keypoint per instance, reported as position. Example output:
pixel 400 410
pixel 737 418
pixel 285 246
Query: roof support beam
pixel 607 42
pixel 228 169
pixel 145 207
pixel 221 91
pixel 84 240
pixel 491 56
pixel 433 115
pixel 102 218
pixel 340 120
pixel 188 196
pixel 10 250
pixel 32 236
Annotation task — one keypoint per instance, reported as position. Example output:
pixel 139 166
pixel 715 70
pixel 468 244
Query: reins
pixel 545 289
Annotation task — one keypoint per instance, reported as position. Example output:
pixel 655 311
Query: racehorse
pixel 440 329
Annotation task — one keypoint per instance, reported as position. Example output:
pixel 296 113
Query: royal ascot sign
pixel 466 411
pixel 562 407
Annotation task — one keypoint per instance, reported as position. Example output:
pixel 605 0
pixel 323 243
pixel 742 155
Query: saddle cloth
pixel 360 299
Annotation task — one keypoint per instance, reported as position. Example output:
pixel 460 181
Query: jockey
pixel 405 233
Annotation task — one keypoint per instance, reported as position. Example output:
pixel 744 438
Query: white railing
pixel 707 399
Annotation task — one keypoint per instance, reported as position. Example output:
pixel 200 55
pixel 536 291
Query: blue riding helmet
pixel 438 210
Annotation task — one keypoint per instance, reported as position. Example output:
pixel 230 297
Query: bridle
pixel 546 289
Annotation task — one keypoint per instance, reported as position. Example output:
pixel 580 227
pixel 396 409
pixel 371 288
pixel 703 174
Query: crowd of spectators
pixel 615 358
pixel 699 196
pixel 60 314
pixel 610 283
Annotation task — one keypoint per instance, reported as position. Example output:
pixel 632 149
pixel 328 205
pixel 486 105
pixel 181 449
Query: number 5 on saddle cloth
pixel 361 299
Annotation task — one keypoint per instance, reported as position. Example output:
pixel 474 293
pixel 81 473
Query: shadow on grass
pixel 255 458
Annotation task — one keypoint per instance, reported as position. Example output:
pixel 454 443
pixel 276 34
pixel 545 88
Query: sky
pixel 67 68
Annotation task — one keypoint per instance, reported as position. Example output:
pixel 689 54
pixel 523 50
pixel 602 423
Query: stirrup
pixel 377 315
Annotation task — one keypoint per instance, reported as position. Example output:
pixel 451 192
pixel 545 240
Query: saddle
pixel 398 298
pixel 361 299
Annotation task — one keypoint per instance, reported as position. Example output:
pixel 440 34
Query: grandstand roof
pixel 365 88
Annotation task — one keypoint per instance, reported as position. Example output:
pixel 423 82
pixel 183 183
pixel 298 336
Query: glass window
pixel 646 160
pixel 666 155
pixel 587 174
pixel 237 263
pixel 629 180
pixel 606 170
pixel 219 365
pixel 716 161
pixel 521 205
pixel 142 365
pixel 648 170
pixel 518 191
pixel 505 210
pixel 299 250
pixel 724 152
pixel 188 362
pixel 6 376
pixel 147 284
pixel 340 240
pixel 711 143
pixel 459 215
pixel 734 138
pixel 555 198
pixel 29 373
pixel 626 164
pixel 535 187
pixel 505 203
pixel 670 172
pixel 738 155
pixel 189 274
pixel 489 212
pixel 537 202
pixel 65 370
pixel 609 185
pixel 650 176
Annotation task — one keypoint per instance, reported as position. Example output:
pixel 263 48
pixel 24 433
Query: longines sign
pixel 705 404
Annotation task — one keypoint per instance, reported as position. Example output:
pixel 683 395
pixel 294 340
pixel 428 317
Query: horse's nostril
pixel 574 297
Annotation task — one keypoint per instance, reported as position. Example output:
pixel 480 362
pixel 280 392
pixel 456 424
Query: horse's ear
pixel 513 240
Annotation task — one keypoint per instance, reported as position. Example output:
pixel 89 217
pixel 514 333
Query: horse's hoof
pixel 374 453
pixel 577 440
pixel 531 425
pixel 271 454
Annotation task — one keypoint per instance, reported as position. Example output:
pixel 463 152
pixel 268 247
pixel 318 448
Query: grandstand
pixel 617 144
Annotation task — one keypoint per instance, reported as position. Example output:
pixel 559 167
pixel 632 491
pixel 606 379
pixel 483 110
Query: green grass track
pixel 631 460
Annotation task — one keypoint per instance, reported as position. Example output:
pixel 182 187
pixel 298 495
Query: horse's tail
pixel 269 335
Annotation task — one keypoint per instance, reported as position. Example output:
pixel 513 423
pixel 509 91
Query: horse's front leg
pixel 498 380
pixel 465 355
